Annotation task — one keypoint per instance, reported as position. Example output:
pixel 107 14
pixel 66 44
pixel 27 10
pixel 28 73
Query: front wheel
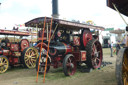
pixel 4 64
pixel 69 65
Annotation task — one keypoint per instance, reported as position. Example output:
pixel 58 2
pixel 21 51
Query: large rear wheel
pixel 4 64
pixel 94 54
pixel 122 67
pixel 69 65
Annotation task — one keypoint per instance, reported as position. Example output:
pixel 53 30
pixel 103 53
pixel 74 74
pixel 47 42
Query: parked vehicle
pixel 14 53
pixel 71 44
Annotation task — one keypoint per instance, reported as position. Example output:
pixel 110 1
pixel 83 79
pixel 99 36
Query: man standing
pixel 111 47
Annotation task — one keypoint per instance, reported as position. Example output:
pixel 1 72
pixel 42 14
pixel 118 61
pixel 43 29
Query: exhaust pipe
pixel 55 9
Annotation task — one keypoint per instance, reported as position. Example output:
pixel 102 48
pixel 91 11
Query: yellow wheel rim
pixel 125 69
pixel 4 63
pixel 30 57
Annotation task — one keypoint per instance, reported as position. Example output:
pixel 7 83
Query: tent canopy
pixel 122 5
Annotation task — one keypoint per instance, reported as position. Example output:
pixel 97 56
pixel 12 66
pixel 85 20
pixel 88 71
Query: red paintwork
pixel 55 51
pixel 57 62
pixel 13 60
pixel 68 48
pixel 6 52
pixel 83 56
pixel 16 54
pixel 76 40
pixel 77 55
pixel 43 46
pixel 87 35
pixel 14 47
pixel 24 44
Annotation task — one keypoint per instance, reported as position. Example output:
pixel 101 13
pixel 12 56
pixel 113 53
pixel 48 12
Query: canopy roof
pixel 122 5
pixel 117 31
pixel 38 22
pixel 16 33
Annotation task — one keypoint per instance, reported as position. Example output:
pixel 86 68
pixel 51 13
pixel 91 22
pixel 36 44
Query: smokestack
pixel 55 9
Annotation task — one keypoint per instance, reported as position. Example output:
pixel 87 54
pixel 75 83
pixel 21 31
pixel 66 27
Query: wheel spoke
pixel 30 64
pixel 94 62
pixel 34 55
pixel 5 61
pixel 33 59
pixel 26 58
pixel 97 59
pixel 2 59
pixel 29 53
pixel 69 60
pixel 125 80
pixel 125 67
pixel 98 52
pixel 93 50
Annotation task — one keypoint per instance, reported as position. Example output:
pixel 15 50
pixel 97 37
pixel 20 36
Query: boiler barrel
pixel 60 48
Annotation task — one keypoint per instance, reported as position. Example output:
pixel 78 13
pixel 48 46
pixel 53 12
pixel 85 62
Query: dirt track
pixel 102 76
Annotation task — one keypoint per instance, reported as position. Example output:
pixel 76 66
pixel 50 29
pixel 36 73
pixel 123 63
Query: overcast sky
pixel 20 11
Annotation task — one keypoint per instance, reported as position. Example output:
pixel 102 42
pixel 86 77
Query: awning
pixel 38 22
pixel 122 5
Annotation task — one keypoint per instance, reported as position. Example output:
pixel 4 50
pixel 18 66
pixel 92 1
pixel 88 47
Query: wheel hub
pixel 96 54
pixel 72 65
pixel 30 56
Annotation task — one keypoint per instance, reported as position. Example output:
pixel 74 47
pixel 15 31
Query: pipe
pixel 55 13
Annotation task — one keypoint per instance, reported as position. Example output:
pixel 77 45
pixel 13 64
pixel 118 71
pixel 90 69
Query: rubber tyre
pixel 48 67
pixel 65 69
pixel 119 66
pixel 89 51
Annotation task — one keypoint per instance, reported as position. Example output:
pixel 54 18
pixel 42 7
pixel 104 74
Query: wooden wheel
pixel 69 65
pixel 122 67
pixel 4 64
pixel 29 57
pixel 94 54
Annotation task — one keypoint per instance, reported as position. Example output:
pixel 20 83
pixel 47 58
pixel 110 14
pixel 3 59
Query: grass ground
pixel 103 76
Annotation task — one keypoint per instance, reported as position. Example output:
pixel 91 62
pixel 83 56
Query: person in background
pixel 117 47
pixel 111 48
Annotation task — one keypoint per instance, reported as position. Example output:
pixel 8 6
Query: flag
pixel 20 25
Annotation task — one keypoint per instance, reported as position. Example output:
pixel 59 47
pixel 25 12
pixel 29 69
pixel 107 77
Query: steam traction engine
pixel 71 44
pixel 14 53
pixel 122 57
